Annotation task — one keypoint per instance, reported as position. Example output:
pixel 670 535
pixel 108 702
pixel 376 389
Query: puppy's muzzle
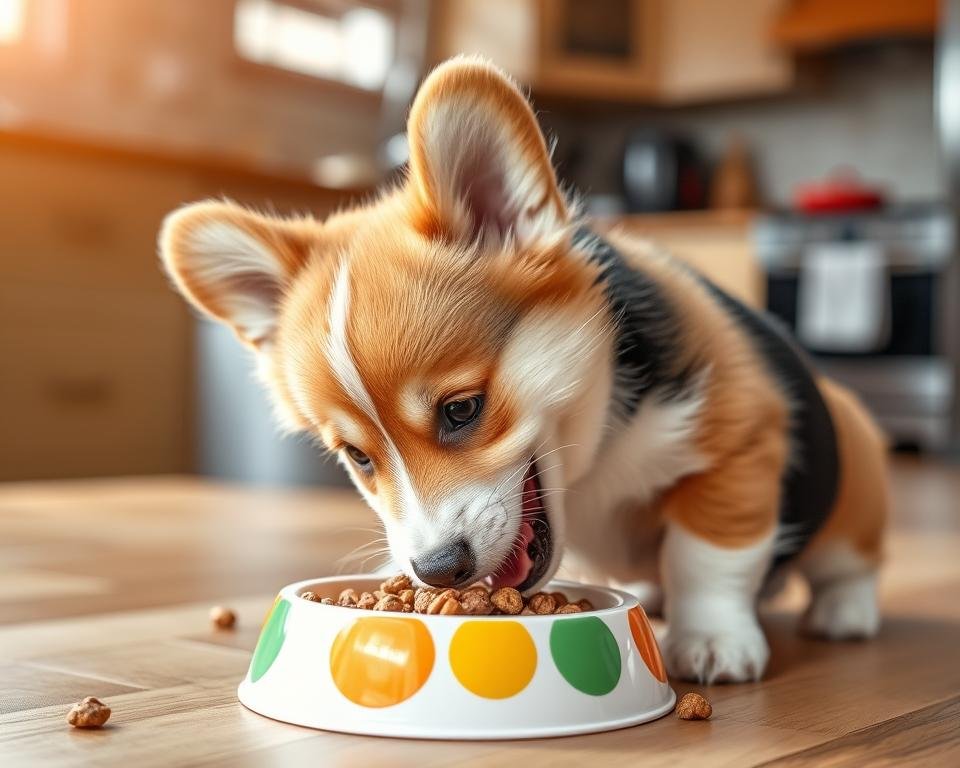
pixel 446 566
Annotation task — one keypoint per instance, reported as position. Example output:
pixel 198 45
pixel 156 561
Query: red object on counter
pixel 838 193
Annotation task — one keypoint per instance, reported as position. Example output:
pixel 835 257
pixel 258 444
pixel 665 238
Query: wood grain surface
pixel 105 587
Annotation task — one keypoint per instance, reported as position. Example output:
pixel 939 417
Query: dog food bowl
pixel 456 677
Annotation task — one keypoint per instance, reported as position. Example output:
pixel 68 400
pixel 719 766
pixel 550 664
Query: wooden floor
pixel 105 588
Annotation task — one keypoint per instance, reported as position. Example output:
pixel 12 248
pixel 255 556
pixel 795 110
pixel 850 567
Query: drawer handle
pixel 79 390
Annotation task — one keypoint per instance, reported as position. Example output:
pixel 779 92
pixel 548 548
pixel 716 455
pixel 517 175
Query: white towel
pixel 844 298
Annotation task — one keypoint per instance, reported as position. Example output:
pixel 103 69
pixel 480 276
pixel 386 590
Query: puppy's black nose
pixel 447 565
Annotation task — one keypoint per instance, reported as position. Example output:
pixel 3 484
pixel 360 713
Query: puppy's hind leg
pixel 841 562
pixel 844 604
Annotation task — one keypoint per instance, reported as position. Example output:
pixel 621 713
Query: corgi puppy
pixel 504 385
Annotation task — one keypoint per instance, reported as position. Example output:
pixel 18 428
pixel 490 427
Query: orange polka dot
pixel 379 662
pixel 646 643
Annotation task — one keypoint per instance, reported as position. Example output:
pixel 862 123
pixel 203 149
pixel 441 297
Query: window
pixel 12 14
pixel 353 47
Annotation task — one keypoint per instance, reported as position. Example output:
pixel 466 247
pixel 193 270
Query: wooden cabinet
pixel 717 49
pixel 601 48
pixel 651 51
pixel 96 349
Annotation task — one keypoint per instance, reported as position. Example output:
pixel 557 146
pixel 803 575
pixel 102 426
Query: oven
pixel 872 297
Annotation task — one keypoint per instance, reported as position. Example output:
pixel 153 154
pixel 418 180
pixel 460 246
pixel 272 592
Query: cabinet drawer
pixel 94 381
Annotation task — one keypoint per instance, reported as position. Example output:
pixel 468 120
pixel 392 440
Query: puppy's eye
pixel 459 413
pixel 358 457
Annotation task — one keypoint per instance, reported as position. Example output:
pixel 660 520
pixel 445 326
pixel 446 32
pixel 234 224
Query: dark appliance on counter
pixel 872 295
pixel 662 172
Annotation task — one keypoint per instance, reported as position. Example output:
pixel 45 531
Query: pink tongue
pixel 516 567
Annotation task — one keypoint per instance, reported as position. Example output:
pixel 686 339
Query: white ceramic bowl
pixel 456 677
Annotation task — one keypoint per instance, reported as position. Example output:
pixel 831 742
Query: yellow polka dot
pixel 378 662
pixel 493 659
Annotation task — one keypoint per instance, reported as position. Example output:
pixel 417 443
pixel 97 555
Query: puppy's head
pixel 444 341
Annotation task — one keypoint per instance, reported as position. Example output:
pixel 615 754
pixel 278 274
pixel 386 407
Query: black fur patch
pixel 646 330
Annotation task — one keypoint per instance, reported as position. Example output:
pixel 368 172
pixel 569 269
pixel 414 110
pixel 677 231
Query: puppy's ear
pixel 234 265
pixel 479 165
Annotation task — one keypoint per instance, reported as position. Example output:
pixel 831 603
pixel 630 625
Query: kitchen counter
pixel 718 244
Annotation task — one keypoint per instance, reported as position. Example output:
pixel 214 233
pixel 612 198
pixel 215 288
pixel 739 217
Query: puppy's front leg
pixel 711 593
pixel 721 527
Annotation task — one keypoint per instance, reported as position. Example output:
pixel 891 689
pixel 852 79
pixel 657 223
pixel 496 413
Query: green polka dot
pixel 271 641
pixel 586 654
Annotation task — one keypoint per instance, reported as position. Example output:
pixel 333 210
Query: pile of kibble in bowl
pixel 397 594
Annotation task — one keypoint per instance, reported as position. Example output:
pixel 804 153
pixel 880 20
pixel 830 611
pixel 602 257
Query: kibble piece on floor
pixel 89 713
pixel 693 706
pixel 222 618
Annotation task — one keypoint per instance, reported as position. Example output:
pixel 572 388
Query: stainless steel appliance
pixel 907 374
pixel 663 172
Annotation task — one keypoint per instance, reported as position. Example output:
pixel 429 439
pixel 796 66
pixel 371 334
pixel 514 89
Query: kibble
pixel 507 600
pixel 476 602
pixel 348 598
pixel 388 603
pixel 542 603
pixel 422 599
pixel 446 603
pixel 396 584
pixel 693 706
pixel 89 713
pixel 398 595
pixel 222 618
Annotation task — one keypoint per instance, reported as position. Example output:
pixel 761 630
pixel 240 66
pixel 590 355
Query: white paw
pixel 844 610
pixel 731 655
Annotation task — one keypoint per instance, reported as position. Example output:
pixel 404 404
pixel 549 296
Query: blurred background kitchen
pixel 799 152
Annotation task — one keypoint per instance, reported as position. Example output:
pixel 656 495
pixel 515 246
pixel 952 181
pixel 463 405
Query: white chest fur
pixel 611 528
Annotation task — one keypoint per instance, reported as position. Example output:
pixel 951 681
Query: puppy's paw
pixel 844 610
pixel 734 654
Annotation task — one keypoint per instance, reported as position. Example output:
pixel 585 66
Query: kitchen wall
pixel 871 109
